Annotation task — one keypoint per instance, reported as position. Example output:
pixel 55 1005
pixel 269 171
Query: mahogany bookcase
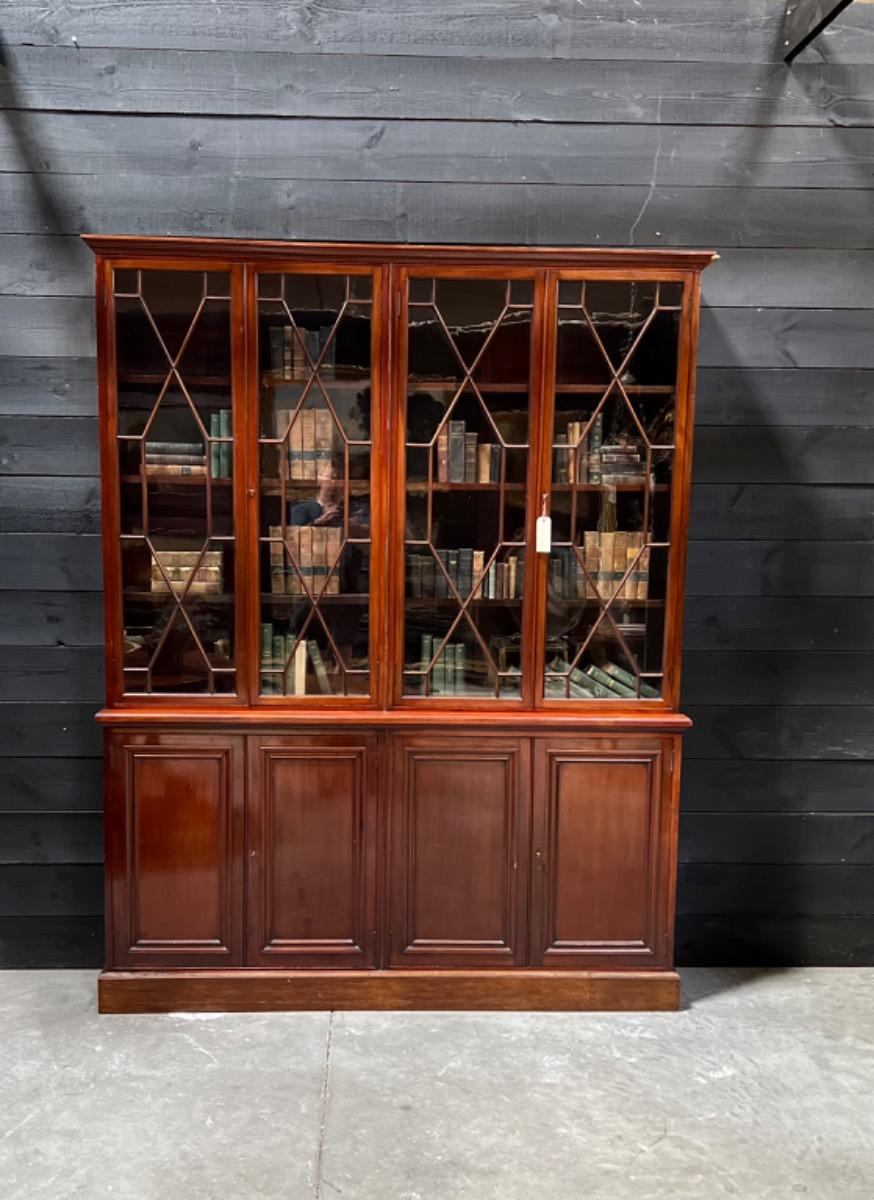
pixel 394 555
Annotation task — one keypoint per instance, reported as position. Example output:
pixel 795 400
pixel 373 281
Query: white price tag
pixel 543 535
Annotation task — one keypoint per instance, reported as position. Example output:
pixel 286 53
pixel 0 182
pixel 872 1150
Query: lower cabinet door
pixel 603 858
pixel 175 850
pixel 312 850
pixel 459 851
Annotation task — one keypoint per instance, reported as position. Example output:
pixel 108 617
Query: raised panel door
pixel 175 849
pixel 602 830
pixel 311 842
pixel 459 838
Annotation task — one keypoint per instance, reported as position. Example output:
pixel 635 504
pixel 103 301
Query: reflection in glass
pixel 315 445
pixel 175 448
pixel 612 463
pixel 467 461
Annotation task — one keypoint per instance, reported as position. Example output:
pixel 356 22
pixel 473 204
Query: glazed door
pixel 174 851
pixel 311 850
pixel 602 852
pixel 459 851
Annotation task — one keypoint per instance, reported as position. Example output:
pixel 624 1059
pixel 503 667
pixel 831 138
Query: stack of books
pixel 315 549
pixel 309 448
pixel 295 352
pixel 284 665
pixel 464 567
pixel 199 572
pixel 461 458
pixel 622 463
pixel 448 673
pixel 607 557
pixel 175 458
pixel 604 681
pixel 220 453
pixel 577 459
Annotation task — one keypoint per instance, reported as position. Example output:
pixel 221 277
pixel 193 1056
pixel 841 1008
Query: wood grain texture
pixel 45 784
pixel 766 941
pixel 773 568
pixel 784 511
pixel 793 626
pixel 51 942
pixel 429 151
pixel 769 890
pixel 49 503
pixel 272 991
pixel 582 214
pixel 734 785
pixel 240 82
pixel 794 732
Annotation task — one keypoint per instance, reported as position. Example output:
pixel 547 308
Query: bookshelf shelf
pixel 384 791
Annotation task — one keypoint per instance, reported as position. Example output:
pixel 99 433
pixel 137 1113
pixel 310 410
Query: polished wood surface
pixel 312 824
pixel 459 815
pixel 599 823
pixel 392 850
pixel 174 848
pixel 431 991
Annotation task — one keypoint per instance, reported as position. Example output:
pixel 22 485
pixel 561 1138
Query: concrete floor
pixel 761 1089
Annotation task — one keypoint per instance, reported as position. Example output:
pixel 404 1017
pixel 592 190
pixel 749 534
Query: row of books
pixel 315 549
pixel 588 460
pixel 309 447
pixel 220 453
pixel 604 681
pixel 200 573
pixel 447 676
pixel 279 654
pixel 464 567
pixel 462 458
pixel 294 352
pixel 607 557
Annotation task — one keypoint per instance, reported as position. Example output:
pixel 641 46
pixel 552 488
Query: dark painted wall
pixel 605 122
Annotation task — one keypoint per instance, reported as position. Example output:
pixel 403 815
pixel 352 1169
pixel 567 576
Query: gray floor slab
pixel 762 1089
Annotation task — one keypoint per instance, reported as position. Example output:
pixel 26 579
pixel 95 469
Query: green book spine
pixel 460 668
pixel 266 653
pixel 225 447
pixel 425 651
pixel 278 654
pixel 438 675
pixel 215 450
pixel 615 686
pixel 319 667
pixel 622 676
pixel 590 686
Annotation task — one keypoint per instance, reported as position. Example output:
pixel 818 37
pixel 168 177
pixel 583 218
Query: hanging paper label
pixel 543 535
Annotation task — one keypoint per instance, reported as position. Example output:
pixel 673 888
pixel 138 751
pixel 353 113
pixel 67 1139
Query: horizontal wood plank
pixel 427 151
pixel 784 397
pixel 796 732
pixel 769 890
pixel 730 785
pixel 50 562
pixel 801 624
pixel 44 784
pixel 62 265
pixel 48 446
pixel 746 32
pixel 241 82
pixel 45 386
pixel 754 454
pixel 49 503
pixel 55 673
pixel 51 837
pixel 51 943
pixel 771 677
pixel 51 619
pixel 788 512
pixel 778 838
pixel 51 890
pixel 783 337
pixel 454 212
pixel 49 731
pixel 723 941
pixel 774 568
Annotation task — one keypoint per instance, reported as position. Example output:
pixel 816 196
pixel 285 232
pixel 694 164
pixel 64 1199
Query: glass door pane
pixel 314 369
pixel 176 465
pixel 467 443
pixel 612 463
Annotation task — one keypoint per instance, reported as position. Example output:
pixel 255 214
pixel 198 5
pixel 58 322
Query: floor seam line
pixel 323 1108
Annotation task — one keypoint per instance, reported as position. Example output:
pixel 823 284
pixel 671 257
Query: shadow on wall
pixel 737 923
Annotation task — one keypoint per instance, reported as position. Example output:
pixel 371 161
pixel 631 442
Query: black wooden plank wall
pixel 653 122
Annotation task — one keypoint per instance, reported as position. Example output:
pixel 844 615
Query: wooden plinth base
pixel 283 991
